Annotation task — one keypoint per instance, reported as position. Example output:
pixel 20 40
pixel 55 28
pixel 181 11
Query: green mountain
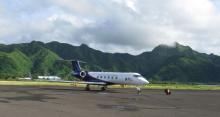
pixel 176 63
pixel 14 63
pixel 182 64
pixel 18 60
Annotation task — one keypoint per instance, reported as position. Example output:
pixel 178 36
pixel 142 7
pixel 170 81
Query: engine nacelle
pixel 82 74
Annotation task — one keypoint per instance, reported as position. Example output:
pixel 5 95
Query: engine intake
pixel 82 74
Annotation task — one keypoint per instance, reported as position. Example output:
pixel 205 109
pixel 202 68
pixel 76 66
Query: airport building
pixel 27 78
pixel 49 78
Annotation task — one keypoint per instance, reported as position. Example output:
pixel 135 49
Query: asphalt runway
pixel 17 101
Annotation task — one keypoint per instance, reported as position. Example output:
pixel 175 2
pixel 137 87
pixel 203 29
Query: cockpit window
pixel 137 76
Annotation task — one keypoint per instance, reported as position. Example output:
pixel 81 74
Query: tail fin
pixel 76 66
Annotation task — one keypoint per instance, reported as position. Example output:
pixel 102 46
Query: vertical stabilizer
pixel 76 66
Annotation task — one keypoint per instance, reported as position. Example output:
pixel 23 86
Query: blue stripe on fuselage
pixel 93 79
pixel 89 78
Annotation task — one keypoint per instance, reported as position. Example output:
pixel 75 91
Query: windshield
pixel 137 76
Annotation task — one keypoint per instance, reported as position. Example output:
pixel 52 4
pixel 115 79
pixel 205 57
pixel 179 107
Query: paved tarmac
pixel 17 101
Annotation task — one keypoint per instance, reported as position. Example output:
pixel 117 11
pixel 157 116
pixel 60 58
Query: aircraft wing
pixel 64 81
pixel 79 82
pixel 93 83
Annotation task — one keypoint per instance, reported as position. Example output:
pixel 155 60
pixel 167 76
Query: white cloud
pixel 75 21
pixel 113 25
pixel 131 4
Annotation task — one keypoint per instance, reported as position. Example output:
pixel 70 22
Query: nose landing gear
pixel 138 90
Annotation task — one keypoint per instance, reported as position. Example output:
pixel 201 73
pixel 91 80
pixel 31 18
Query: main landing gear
pixel 87 87
pixel 103 88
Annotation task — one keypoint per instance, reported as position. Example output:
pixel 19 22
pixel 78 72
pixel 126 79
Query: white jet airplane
pixel 106 78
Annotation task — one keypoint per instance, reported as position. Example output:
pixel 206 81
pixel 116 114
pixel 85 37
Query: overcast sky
pixel 131 26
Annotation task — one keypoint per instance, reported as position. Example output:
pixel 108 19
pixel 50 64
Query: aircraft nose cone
pixel 145 81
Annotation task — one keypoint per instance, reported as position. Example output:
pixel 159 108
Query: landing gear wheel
pixel 167 91
pixel 87 88
pixel 138 90
pixel 103 88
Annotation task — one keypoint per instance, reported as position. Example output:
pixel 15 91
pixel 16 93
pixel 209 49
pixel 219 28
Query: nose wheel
pixel 138 90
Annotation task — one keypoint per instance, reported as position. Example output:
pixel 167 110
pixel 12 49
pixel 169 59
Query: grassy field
pixel 150 86
pixel 34 83
pixel 183 86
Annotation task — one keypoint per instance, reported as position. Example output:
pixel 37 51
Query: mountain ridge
pixel 176 63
